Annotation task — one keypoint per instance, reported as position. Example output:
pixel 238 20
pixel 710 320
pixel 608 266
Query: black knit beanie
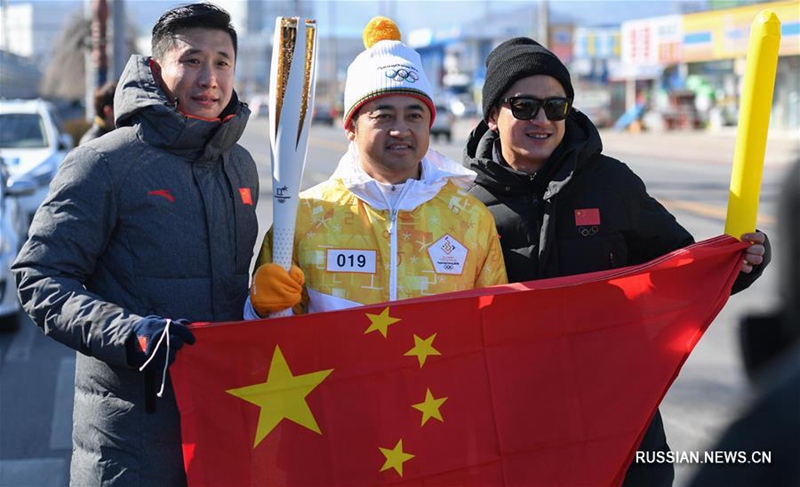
pixel 515 59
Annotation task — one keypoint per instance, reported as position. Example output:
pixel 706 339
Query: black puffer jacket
pixel 582 212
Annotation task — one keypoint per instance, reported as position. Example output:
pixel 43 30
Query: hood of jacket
pixel 140 102
pixel 581 142
pixel 437 170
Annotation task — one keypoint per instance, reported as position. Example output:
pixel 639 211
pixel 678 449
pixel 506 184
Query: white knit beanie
pixel 386 67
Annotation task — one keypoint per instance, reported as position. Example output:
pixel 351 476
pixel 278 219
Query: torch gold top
pixel 286 46
pixel 311 28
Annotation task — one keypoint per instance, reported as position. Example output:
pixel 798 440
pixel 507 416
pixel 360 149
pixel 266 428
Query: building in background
pixel 31 29
pixel 596 53
pixel 28 33
pixel 688 58
pixel 687 70
pixel 453 57
pixel 714 52
pixel 19 76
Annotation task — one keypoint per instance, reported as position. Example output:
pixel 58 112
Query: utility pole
pixel 542 27
pixel 99 54
pixel 120 46
pixel 89 68
pixel 95 59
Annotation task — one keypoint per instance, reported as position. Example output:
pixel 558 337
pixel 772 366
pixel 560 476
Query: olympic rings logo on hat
pixel 401 75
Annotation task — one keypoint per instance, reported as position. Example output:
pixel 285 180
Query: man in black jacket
pixel 560 205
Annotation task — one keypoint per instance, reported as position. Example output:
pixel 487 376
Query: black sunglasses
pixel 527 107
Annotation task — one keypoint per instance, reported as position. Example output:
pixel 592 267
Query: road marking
pixel 34 472
pixel 710 211
pixel 61 422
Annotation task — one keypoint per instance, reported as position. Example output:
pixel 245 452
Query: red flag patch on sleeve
pixel 587 216
pixel 247 199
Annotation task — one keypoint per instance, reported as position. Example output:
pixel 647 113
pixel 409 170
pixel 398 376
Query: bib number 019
pixel 339 260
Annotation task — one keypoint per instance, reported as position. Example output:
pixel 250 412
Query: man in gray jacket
pixel 144 230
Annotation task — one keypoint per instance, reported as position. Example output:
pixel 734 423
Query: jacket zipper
pixel 393 211
pixel 393 255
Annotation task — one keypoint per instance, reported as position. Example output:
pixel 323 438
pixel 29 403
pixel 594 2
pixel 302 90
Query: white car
pixel 33 145
pixel 13 231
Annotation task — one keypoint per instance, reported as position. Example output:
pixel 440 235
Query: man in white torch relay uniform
pixel 394 221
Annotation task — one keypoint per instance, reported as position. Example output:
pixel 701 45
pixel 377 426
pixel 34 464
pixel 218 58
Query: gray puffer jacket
pixel 156 218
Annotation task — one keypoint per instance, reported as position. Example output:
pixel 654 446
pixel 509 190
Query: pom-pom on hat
pixel 386 67
pixel 515 59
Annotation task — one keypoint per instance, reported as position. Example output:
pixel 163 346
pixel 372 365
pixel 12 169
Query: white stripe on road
pixel 711 211
pixel 34 472
pixel 61 422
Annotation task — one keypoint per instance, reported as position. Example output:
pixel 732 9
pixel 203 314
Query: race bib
pixel 340 260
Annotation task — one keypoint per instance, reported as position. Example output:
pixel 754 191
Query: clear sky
pixel 348 17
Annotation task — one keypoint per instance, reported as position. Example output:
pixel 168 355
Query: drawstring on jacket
pixel 166 358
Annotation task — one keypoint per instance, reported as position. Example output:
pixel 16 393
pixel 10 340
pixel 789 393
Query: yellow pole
pixel 751 134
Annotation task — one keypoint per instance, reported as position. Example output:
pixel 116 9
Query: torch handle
pixel 282 243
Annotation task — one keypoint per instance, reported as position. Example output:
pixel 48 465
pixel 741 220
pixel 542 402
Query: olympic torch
pixel 291 98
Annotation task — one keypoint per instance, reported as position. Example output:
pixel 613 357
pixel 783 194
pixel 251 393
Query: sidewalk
pixel 706 146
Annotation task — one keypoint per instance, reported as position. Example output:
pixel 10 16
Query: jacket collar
pixel 437 170
pixel 142 102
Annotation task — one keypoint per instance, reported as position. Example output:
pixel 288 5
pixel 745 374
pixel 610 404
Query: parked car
pixel 13 231
pixel 33 145
pixel 259 105
pixel 462 107
pixel 443 123
pixel 323 113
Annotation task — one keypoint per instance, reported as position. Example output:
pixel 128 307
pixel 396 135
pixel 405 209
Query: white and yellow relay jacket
pixel 356 248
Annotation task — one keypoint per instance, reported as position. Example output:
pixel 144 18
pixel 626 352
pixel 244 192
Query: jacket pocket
pixel 591 253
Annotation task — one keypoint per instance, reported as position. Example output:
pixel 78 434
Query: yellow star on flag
pixel 430 407
pixel 282 396
pixel 395 457
pixel 381 322
pixel 423 348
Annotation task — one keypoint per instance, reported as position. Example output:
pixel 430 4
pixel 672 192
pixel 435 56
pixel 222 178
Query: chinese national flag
pixel 543 383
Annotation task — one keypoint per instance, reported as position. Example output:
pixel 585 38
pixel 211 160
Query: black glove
pixel 147 333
